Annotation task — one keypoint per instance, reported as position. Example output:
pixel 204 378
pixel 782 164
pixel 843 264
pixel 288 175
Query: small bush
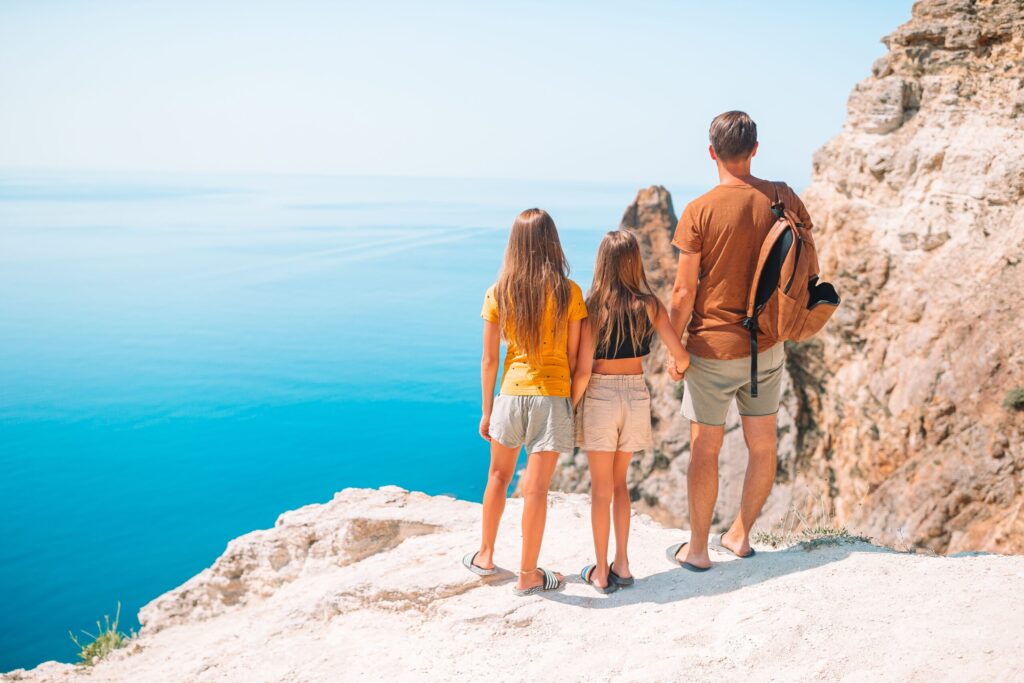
pixel 820 536
pixel 771 538
pixel 107 639
pixel 1014 399
pixel 812 534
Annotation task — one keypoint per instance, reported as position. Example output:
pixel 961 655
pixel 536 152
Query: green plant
pixel 106 639
pixel 812 534
pixel 1014 399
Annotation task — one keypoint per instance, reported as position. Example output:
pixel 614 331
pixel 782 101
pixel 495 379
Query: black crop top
pixel 625 348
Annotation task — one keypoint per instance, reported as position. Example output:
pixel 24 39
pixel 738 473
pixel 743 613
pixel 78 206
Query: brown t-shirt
pixel 726 227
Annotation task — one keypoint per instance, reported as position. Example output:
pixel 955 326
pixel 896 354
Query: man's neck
pixel 737 173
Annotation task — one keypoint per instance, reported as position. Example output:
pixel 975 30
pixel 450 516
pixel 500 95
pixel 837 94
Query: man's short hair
pixel 733 135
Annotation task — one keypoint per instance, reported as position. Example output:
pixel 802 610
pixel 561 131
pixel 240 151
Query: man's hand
pixel 485 427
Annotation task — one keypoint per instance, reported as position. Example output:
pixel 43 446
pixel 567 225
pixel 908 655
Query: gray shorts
pixel 712 384
pixel 540 423
pixel 615 414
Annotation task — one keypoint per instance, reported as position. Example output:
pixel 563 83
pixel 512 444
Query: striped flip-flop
pixel 671 553
pixel 467 562
pixel 551 583
pixel 588 573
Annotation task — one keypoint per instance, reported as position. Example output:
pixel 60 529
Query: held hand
pixel 682 364
pixel 673 373
pixel 485 426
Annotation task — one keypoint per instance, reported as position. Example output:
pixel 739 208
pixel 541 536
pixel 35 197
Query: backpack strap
pixel 750 322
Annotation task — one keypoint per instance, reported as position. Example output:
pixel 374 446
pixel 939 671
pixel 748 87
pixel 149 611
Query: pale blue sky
pixel 589 91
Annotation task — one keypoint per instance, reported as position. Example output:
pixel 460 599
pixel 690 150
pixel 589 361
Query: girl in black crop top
pixel 613 417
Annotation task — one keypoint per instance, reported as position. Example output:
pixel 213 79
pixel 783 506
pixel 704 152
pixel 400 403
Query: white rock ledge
pixel 370 586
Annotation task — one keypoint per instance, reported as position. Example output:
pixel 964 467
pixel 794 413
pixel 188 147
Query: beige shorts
pixel 711 385
pixel 615 414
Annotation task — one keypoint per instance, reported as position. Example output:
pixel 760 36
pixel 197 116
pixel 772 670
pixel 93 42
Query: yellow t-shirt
pixel 551 378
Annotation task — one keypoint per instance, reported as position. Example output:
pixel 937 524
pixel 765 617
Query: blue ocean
pixel 184 357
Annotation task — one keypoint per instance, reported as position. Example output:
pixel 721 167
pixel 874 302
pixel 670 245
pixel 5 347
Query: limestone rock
pixel 920 223
pixel 373 589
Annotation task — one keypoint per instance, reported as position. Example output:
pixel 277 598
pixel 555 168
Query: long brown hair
pixel 534 275
pixel 620 301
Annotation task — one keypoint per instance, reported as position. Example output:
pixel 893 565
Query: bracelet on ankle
pixel 528 572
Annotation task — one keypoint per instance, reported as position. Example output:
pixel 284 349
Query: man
pixel 719 236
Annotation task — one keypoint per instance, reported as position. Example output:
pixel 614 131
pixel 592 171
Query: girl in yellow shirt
pixel 537 310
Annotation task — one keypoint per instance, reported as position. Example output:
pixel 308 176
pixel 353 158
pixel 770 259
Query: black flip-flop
pixel 671 555
pixel 621 580
pixel 588 573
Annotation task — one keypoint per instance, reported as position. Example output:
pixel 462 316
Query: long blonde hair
pixel 620 301
pixel 534 275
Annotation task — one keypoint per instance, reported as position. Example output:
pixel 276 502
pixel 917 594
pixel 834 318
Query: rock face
pixel 369 587
pixel 919 214
pixel 893 419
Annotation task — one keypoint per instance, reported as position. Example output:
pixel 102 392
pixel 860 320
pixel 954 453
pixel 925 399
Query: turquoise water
pixel 183 358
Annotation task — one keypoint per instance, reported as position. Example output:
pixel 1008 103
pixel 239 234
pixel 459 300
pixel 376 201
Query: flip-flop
pixel 623 581
pixel 717 544
pixel 671 553
pixel 588 573
pixel 551 583
pixel 467 562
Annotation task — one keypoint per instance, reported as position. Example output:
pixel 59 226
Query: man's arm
pixel 684 292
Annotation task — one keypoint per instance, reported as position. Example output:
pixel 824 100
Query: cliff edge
pixel 370 586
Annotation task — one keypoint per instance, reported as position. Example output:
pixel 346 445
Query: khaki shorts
pixel 615 414
pixel 712 384
pixel 540 423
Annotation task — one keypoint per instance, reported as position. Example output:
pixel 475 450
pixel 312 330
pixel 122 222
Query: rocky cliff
pixel 919 206
pixel 369 587
pixel 900 417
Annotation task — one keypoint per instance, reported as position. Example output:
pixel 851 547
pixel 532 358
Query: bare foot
pixel 737 542
pixel 534 578
pixel 621 568
pixel 599 578
pixel 484 559
pixel 701 560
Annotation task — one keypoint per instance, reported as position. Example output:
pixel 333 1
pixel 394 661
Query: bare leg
pixel 503 467
pixel 621 510
pixel 539 468
pixel 702 488
pixel 601 487
pixel 762 445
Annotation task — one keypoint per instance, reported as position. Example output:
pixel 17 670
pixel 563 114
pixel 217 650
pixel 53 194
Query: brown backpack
pixel 786 299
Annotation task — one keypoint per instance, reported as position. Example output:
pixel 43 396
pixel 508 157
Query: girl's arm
pixel 584 363
pixel 573 343
pixel 670 338
pixel 489 374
